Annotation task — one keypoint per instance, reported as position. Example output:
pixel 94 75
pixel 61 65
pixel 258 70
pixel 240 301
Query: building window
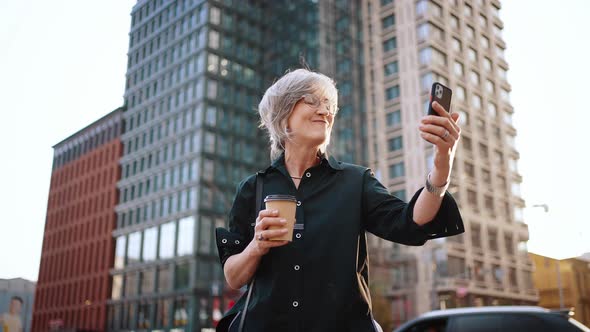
pixel 167 237
pixel 492 110
pixel 148 281
pixel 391 68
pixel 131 284
pixel 421 7
pixel 162 313
pixel 474 77
pixel 505 95
pixel 476 101
pixel 458 67
pixel 489 204
pixel 389 45
pixel 117 287
pixel 205 235
pixel 483 151
pixel 512 277
pixel 487 64
pixel 485 42
pixel 186 233
pixel 456 45
pixel 467 143
pixel 134 249
pixel 471 55
pixel 180 313
pixel 476 235
pixel 215 15
pixel 150 244
pixel 393 118
pixel 164 278
pixel 143 316
pixel 120 252
pixel 394 144
pixel 497 31
pixel 497 273
pixel 182 276
pixel 483 21
pixel 486 176
pixel 469 169
pixel 470 32
pixel 479 271
pixel 396 170
pixel 454 22
pixel 392 92
pixel 460 91
pixel 472 199
pixel 388 21
pixel 508 244
pixel 467 10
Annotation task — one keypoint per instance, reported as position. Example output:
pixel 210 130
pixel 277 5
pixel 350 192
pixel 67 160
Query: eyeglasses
pixel 315 102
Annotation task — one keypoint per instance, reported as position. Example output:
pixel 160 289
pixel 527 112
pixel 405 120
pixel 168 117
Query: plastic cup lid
pixel 280 198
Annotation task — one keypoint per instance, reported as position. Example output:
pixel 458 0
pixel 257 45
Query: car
pixel 494 319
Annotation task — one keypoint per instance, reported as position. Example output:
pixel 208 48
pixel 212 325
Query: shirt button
pixel 224 241
pixel 298 203
pixel 308 174
pixel 237 242
pixel 296 267
pixel 298 235
pixel 295 304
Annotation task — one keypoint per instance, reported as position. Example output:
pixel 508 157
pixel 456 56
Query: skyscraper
pixel 410 45
pixel 196 71
pixel 77 253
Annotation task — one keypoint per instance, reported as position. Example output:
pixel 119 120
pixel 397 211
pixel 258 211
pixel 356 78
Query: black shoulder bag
pixel 235 321
pixel 259 185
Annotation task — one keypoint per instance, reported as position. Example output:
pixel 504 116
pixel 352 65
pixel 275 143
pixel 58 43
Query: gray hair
pixel 280 99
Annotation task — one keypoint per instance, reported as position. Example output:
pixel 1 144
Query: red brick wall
pixel 78 248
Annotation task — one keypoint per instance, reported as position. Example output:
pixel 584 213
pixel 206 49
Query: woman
pixel 319 281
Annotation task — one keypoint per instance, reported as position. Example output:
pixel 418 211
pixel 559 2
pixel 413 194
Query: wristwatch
pixel 438 191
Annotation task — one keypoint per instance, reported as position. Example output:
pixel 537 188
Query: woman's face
pixel 311 121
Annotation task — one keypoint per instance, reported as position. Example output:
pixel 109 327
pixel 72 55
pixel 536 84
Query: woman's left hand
pixel 444 132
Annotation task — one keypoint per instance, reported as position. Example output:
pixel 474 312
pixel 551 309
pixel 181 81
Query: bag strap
pixel 259 184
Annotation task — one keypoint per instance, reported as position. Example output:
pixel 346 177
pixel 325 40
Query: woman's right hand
pixel 260 245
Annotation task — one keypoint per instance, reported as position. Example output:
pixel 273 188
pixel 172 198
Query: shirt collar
pixel 324 157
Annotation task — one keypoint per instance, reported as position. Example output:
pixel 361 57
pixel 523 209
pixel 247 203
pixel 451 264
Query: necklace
pixel 299 177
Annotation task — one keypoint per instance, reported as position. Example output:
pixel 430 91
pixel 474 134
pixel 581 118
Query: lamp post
pixel 557 268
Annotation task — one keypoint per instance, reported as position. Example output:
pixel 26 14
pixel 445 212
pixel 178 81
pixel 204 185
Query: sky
pixel 62 66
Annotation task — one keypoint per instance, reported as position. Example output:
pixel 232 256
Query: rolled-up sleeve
pixel 390 218
pixel 234 241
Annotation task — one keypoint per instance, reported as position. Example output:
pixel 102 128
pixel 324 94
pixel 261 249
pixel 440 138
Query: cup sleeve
pixel 228 244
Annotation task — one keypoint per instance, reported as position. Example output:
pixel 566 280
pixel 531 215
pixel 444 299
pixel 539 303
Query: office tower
pixel 25 290
pixel 196 72
pixel 77 253
pixel 410 45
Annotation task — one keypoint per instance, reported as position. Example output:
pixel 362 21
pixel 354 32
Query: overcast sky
pixel 62 66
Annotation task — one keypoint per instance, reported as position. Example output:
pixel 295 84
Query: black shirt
pixel 319 282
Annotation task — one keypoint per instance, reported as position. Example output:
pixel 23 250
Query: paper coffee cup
pixel 286 205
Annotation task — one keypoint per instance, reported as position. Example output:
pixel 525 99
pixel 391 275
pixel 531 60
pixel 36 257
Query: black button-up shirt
pixel 319 282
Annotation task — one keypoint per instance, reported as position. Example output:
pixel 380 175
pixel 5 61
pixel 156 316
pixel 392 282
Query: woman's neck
pixel 299 159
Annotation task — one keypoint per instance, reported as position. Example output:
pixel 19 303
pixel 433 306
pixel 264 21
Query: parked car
pixel 494 319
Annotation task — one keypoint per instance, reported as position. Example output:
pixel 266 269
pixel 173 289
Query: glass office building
pixel 196 71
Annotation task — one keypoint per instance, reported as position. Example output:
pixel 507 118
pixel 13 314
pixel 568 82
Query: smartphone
pixel 442 95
